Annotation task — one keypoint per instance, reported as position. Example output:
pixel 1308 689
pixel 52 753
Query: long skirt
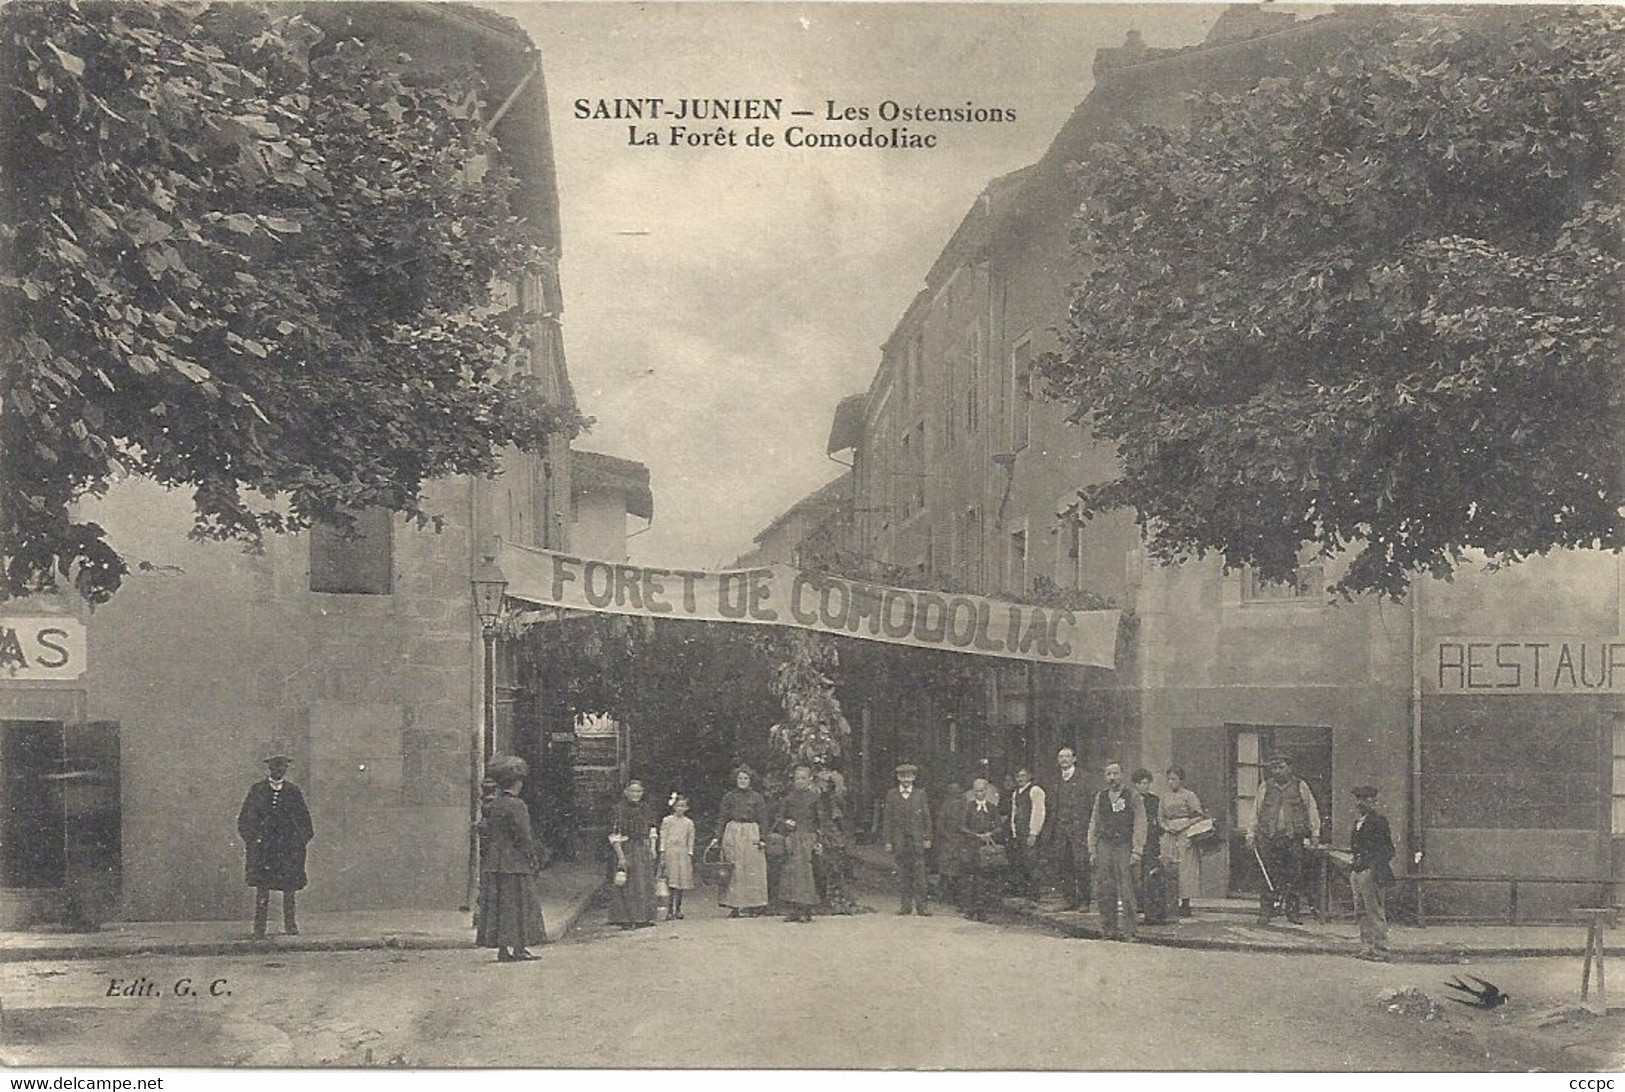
pixel 510 911
pixel 748 886
pixel 1187 861
pixel 634 901
pixel 797 884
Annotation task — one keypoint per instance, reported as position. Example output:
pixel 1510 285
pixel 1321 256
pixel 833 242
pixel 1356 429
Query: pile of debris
pixel 1412 1002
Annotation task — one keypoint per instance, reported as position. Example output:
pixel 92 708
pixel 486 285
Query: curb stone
pixel 419 942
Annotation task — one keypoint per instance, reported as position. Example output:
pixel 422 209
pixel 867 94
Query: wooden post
pixel 1596 918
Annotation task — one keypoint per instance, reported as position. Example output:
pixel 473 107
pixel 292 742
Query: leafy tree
pixel 249 256
pixel 812 725
pixel 1370 306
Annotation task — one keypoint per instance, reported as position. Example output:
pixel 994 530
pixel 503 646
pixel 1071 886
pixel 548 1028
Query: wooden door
pixel 1251 746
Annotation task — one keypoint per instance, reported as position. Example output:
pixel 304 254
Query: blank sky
pixel 714 344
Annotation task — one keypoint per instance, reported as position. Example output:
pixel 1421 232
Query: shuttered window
pixel 358 564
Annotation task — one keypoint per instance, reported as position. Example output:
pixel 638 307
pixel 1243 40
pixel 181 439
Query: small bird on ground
pixel 1487 996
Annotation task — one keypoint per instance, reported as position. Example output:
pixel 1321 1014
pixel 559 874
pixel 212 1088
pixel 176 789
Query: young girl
pixel 677 854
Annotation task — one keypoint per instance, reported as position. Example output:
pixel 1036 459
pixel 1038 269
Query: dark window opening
pixel 358 564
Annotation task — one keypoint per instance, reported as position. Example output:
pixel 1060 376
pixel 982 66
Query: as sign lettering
pixel 42 648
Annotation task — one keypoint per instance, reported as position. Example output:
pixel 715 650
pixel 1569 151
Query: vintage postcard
pixel 1016 537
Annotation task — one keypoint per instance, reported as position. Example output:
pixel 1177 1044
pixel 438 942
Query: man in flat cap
pixel 1371 844
pixel 905 828
pixel 274 824
pixel 1286 821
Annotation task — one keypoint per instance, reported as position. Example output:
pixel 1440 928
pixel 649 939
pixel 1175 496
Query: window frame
pixel 1021 532
pixel 1616 796
pixel 1308 587
pixel 321 533
pixel 1021 393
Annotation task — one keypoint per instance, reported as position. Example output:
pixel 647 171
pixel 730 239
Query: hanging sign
pixel 782 596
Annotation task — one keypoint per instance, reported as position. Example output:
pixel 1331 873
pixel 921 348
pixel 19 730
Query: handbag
pixel 776 845
pixel 1203 833
pixel 620 877
pixel 990 855
pixel 662 888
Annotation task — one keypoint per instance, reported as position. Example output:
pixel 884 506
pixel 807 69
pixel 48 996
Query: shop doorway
pixel 1251 745
pixel 33 834
pixel 60 824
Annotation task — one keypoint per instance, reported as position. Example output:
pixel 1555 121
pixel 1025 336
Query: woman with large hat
pixel 510 911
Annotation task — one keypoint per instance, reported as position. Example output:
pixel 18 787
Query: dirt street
pixel 871 990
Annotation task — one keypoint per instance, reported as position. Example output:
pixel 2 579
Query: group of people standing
pixel 1127 845
pixel 786 853
pixel 791 853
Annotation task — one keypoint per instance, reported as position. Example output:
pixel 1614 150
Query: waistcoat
pixel 1283 810
pixel 1117 827
pixel 1023 810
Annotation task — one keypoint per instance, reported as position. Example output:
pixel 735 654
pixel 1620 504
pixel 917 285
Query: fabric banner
pixel 782 596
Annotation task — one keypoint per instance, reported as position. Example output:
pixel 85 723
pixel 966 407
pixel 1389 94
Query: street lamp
pixel 489 585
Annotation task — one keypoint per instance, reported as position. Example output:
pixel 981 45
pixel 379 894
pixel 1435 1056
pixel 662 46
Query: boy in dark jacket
pixel 1372 845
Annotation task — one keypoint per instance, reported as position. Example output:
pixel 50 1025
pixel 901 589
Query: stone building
pixel 814 519
pixel 126 755
pixel 1488 767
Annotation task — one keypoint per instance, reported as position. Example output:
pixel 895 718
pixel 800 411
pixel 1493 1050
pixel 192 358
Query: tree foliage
pixel 697 695
pixel 247 256
pixel 813 726
pixel 1372 305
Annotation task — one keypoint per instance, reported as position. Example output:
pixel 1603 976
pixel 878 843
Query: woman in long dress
pixel 742 820
pixel 1180 808
pixel 510 911
pixel 632 835
pixel 802 822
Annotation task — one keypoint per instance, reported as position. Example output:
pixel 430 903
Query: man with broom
pixel 1286 822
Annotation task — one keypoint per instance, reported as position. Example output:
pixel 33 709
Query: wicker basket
pixel 713 869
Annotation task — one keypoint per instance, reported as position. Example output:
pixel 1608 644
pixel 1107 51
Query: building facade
pixel 126 755
pixel 1489 767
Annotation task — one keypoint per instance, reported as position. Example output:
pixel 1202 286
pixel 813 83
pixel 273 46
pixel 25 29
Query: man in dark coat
pixel 905 828
pixel 1069 805
pixel 274 824
pixel 1371 845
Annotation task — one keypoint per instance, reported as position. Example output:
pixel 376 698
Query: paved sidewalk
pixel 1434 944
pixel 1217 925
pixel 567 888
